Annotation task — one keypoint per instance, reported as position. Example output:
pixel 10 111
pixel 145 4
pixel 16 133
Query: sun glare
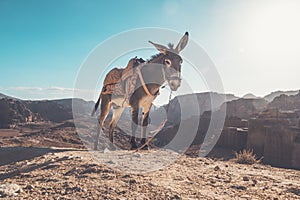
pixel 274 29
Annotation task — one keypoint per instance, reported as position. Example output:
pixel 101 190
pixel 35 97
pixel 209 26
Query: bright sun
pixel 274 28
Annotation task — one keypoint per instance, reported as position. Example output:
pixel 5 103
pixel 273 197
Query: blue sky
pixel 255 45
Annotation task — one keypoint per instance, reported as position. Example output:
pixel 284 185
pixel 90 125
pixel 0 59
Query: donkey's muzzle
pixel 175 78
pixel 174 83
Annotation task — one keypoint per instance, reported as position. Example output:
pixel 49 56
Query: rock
pixel 110 162
pixel 254 181
pixel 246 196
pixel 176 197
pixel 245 178
pixel 89 170
pixel 72 171
pixel 239 187
pixel 9 189
pixel 106 150
pixel 294 190
pixel 29 187
pixel 137 155
pixel 217 168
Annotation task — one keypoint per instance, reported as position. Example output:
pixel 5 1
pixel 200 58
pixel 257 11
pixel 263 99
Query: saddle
pixel 122 81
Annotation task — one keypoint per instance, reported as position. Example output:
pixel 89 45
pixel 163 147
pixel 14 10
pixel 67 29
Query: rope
pixel 170 96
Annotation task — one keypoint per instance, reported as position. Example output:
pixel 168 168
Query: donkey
pixel 162 67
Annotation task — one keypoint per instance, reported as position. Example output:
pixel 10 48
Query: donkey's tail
pixel 97 105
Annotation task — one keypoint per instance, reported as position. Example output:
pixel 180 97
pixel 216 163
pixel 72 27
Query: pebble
pixel 239 187
pixel 176 197
pixel 217 168
pixel 246 196
pixel 29 187
pixel 254 181
pixel 137 155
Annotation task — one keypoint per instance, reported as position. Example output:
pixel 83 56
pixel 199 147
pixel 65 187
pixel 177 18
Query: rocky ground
pixel 48 161
pixel 77 174
pixel 42 135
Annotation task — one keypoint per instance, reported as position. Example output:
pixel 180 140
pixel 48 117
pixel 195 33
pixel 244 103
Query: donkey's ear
pixel 182 43
pixel 159 47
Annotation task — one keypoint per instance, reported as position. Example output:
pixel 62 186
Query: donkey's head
pixel 172 61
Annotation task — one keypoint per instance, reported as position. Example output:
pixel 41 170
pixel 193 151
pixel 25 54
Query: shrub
pixel 246 157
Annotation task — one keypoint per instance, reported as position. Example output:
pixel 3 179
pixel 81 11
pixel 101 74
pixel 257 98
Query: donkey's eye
pixel 181 61
pixel 168 62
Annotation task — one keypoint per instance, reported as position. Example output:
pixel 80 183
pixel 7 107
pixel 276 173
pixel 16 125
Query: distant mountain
pixel 82 107
pixel 50 110
pixel 250 96
pixel 286 102
pixel 2 96
pixel 270 97
pixel 245 108
pixel 189 104
pixel 15 111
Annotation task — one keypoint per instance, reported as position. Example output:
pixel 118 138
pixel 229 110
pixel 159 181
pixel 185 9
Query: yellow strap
pixel 143 82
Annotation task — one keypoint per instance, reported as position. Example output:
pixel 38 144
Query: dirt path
pixel 78 175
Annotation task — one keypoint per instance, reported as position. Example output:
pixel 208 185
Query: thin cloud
pixel 53 92
pixel 52 88
pixel 21 88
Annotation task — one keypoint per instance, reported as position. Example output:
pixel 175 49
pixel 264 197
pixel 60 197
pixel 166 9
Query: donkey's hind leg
pixel 134 124
pixel 105 108
pixel 117 112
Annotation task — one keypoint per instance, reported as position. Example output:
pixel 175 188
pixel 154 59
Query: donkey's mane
pixel 154 57
pixel 171 46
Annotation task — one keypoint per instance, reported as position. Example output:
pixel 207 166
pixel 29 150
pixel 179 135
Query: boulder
pixel 9 189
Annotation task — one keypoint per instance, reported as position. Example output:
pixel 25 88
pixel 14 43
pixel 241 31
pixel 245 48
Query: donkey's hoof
pixel 145 148
pixel 133 147
pixel 112 147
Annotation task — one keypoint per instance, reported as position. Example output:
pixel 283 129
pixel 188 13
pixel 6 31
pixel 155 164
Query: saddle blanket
pixel 122 82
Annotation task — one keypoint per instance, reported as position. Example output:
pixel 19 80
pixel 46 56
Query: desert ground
pixel 49 162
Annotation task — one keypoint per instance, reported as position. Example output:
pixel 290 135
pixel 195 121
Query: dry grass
pixel 246 157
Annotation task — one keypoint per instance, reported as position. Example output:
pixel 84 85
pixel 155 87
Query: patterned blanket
pixel 122 82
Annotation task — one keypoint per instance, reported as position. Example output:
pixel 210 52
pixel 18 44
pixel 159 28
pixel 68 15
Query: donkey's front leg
pixel 134 124
pixel 145 122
